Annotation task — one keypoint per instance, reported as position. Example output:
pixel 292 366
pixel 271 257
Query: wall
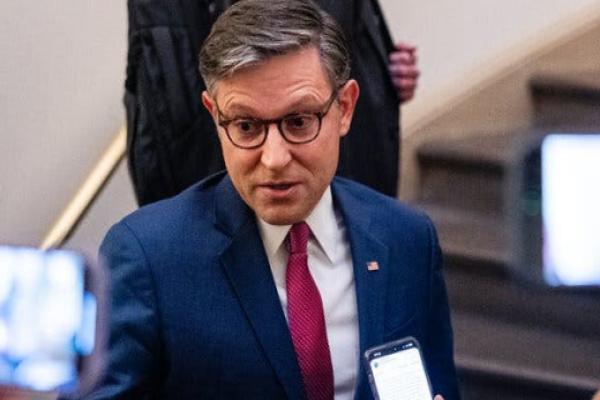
pixel 62 72
pixel 61 78
pixel 459 40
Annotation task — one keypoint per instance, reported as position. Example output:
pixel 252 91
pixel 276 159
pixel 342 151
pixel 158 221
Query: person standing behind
pixel 171 141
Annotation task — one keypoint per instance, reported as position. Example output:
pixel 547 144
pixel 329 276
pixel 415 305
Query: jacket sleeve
pixel 171 139
pixel 134 350
pixel 438 349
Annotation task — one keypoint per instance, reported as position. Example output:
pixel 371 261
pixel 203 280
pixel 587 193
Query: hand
pixel 403 70
pixel 13 393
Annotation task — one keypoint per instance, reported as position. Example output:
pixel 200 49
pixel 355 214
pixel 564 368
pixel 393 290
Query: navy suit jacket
pixel 196 315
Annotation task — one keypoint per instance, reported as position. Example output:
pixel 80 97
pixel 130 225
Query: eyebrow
pixel 305 104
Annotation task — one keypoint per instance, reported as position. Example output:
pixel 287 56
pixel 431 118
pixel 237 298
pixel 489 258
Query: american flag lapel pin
pixel 372 266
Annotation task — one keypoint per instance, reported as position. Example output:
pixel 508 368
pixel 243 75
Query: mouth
pixel 279 186
pixel 278 189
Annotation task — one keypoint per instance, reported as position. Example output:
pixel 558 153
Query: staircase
pixel 567 99
pixel 513 340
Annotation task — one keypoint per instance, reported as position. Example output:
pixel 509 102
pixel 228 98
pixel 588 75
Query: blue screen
pixel 47 318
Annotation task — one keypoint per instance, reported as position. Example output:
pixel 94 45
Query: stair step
pixel 466 173
pixel 568 99
pixel 523 361
pixel 497 294
pixel 489 151
pixel 470 237
pixel 583 86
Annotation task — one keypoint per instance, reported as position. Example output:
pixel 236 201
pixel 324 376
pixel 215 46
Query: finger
pixel 402 57
pixel 405 88
pixel 406 95
pixel 403 46
pixel 404 71
pixel 404 84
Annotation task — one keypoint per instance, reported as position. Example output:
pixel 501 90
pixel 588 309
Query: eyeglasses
pixel 251 133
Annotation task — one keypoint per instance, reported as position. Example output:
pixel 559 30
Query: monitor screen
pixel 570 185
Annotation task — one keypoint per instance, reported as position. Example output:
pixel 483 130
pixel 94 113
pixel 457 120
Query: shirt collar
pixel 322 222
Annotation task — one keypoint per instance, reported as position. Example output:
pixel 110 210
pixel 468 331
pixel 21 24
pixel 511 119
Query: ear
pixel 347 97
pixel 209 104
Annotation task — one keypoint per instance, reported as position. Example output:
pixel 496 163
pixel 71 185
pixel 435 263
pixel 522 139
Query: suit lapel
pixel 370 285
pixel 247 268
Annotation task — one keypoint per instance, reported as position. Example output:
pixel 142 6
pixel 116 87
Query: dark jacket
pixel 171 140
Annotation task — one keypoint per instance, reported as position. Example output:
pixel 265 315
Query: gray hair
pixel 252 31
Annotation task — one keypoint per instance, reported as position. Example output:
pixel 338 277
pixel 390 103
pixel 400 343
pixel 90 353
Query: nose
pixel 275 151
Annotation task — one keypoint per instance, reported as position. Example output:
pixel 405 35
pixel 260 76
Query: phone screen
pixel 47 318
pixel 397 371
pixel 570 176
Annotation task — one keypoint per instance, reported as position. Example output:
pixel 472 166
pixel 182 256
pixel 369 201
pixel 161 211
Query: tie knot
pixel 298 237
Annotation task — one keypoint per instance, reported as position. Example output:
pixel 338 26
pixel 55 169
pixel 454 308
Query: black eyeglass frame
pixel 224 122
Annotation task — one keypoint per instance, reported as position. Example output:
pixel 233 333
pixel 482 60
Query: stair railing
pixel 84 198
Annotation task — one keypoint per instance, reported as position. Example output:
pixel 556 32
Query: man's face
pixel 280 181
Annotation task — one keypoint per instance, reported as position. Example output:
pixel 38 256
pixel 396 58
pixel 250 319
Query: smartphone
pixel 396 371
pixel 49 337
pixel 556 212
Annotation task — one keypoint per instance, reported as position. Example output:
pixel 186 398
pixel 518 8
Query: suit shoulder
pixel 374 199
pixel 195 202
pixel 384 211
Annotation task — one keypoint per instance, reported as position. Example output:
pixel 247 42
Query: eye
pixel 299 122
pixel 247 127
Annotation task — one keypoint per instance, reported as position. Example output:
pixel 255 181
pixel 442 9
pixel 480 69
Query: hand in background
pixel 403 70
pixel 12 393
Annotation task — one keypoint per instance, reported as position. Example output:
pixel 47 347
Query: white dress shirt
pixel 330 263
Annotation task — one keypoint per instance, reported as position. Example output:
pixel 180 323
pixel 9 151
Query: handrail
pixel 74 212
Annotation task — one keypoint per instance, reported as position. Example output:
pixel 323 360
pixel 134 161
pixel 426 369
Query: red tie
pixel 306 319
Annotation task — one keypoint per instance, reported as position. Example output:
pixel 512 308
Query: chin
pixel 281 217
pixel 280 220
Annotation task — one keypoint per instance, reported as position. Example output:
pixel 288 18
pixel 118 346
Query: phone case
pixel 390 348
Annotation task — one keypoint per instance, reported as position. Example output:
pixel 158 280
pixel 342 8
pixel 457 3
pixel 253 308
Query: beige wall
pixel 459 38
pixel 481 86
pixel 61 72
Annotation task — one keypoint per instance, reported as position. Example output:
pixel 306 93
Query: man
pixel 214 295
pixel 171 139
